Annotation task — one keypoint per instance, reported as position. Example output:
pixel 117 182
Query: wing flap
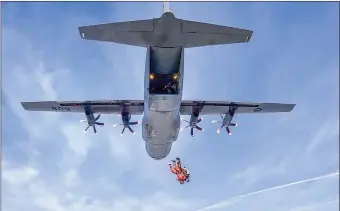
pixel 222 107
pixel 135 107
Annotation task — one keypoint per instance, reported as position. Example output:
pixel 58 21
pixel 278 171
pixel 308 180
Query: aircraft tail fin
pixel 166 7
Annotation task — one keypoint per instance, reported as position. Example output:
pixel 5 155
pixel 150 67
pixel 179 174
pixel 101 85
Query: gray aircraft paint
pixel 165 39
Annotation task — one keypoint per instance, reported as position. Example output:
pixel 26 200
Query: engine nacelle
pixel 194 120
pixel 126 117
pixel 89 115
pixel 91 120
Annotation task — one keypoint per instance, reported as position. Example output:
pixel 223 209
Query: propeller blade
pixel 186 121
pixel 182 128
pixel 187 126
pixel 97 117
pixel 233 124
pixel 115 125
pixel 200 119
pixel 99 123
pixel 133 123
pixel 86 128
pixel 228 130
pixel 83 121
pixel 221 116
pixel 133 132
pixel 192 131
pixel 122 131
pixel 199 128
pixel 214 121
pixel 94 129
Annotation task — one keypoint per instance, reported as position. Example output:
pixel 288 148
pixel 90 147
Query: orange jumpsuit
pixel 178 167
pixel 181 177
pixel 179 174
pixel 172 169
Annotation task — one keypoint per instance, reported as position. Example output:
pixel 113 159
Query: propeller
pixel 193 124
pixel 126 125
pixel 92 123
pixel 225 124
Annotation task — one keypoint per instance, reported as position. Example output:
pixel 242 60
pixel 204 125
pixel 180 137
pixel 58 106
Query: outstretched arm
pixel 172 169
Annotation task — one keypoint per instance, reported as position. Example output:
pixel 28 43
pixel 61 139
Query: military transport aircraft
pixel 165 39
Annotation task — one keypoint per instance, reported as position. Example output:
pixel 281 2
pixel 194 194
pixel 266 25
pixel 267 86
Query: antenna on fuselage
pixel 166 7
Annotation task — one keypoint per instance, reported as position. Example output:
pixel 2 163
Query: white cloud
pixel 19 176
pixel 77 141
pixel 70 178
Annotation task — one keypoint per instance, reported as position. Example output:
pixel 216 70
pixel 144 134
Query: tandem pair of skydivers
pixel 182 174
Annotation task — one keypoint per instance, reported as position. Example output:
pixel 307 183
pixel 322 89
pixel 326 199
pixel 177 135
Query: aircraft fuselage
pixel 161 120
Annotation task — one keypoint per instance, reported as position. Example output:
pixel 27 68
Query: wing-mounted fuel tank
pixel 164 75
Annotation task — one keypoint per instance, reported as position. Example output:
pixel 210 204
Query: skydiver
pixel 184 170
pixel 179 174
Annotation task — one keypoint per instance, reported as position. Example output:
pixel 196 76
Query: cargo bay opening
pixel 164 70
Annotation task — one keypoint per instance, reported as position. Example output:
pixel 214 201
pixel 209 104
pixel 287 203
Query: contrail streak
pixel 229 202
pixel 314 205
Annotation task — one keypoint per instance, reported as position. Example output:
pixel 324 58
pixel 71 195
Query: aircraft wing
pixel 222 107
pixel 135 107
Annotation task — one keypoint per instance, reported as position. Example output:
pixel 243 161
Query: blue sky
pixel 50 164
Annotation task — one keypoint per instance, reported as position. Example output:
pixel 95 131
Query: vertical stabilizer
pixel 166 7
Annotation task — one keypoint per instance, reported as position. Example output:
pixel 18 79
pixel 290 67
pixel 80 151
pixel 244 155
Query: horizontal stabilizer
pixel 198 34
pixel 129 32
pixel 166 31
